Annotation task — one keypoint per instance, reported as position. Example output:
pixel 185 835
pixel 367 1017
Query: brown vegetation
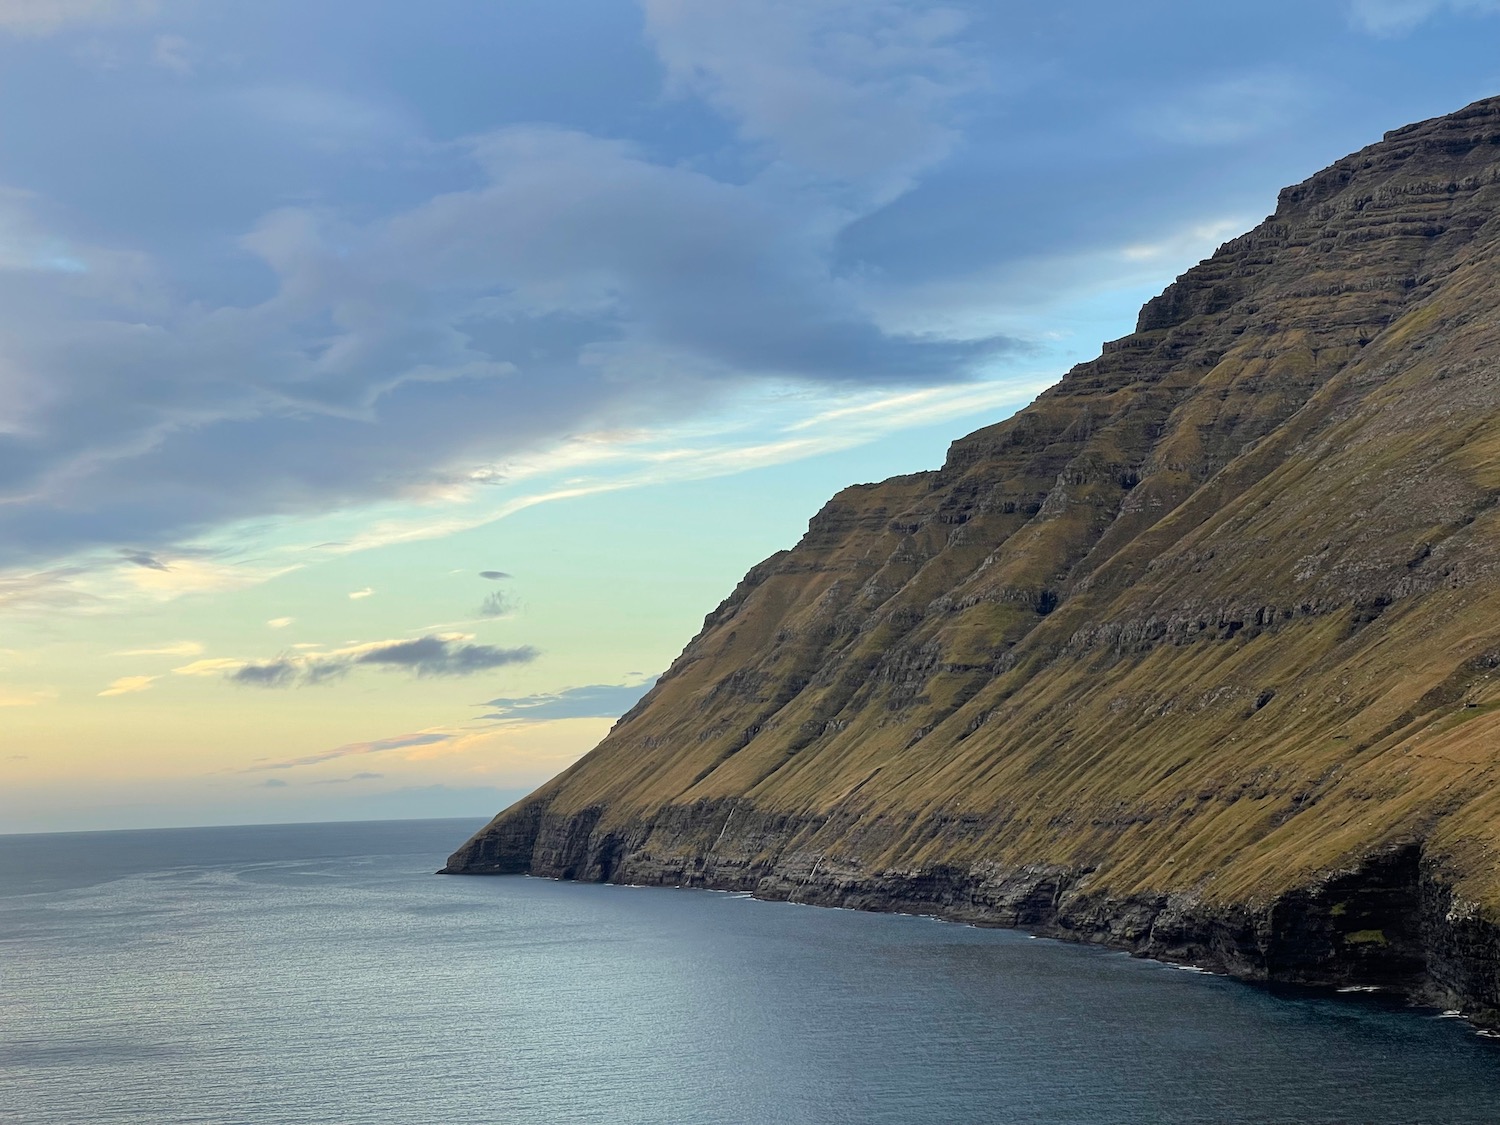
pixel 1217 616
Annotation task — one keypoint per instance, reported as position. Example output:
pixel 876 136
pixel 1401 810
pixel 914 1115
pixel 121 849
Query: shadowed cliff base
pixel 1195 656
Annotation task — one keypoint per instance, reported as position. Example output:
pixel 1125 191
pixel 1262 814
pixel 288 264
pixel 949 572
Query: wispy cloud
pixel 594 701
pixel 128 685
pixel 1185 243
pixel 176 648
pixel 363 775
pixel 358 749
pixel 194 573
pixel 94 584
pixel 869 416
pixel 496 605
pixel 215 666
pixel 852 90
pixel 1397 17
pixel 594 463
pixel 144 559
pixel 174 53
pixel 637 459
pixel 43 592
pixel 431 655
pixel 998 297
pixel 26 697
pixel 46 17
pixel 1229 109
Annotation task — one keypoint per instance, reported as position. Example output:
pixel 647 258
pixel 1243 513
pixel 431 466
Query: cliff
pixel 1196 655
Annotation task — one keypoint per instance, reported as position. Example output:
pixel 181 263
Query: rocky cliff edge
pixel 1195 656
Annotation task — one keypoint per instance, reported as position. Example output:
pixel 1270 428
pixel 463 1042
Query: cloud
pixel 494 575
pixel 43 592
pixel 178 648
pixel 273 673
pixel 273 783
pixel 201 575
pixel 329 119
pixel 174 53
pixel 1229 109
pixel 1397 17
pixel 279 622
pixel 441 656
pixel 595 701
pixel 128 685
pixel 431 655
pixel 356 749
pixel 1185 243
pixel 560 283
pixel 496 605
pixel 363 775
pixel 847 89
pixel 46 17
pixel 212 667
pixel 23 697
pixel 645 458
pixel 356 595
pixel 145 559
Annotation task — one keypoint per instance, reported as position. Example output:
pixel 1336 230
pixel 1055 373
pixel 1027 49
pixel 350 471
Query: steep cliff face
pixel 1198 655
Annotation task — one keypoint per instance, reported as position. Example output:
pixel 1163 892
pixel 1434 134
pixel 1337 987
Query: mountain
pixel 1197 656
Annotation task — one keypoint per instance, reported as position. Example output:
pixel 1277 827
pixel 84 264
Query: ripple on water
pixel 261 977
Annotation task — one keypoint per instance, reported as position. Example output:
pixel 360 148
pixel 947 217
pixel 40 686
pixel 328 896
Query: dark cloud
pixel 596 701
pixel 145 559
pixel 494 575
pixel 424 656
pixel 435 656
pixel 274 673
pixel 273 783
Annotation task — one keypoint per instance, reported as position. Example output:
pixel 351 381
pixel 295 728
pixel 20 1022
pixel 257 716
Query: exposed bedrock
pixel 1197 656
pixel 1391 922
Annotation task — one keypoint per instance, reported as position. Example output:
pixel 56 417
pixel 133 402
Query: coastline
pixel 1391 924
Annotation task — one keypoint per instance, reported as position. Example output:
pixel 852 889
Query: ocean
pixel 322 974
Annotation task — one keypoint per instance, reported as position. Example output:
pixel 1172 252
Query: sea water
pixel 323 974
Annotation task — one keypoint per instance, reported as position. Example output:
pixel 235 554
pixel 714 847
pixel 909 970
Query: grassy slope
pixel 1221 610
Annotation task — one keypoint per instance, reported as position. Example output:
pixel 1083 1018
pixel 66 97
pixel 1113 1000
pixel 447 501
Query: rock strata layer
pixel 1195 656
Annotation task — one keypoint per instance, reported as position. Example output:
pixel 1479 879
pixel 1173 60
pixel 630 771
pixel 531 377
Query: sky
pixel 388 390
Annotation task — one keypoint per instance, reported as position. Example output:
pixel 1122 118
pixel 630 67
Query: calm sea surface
pixel 321 973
